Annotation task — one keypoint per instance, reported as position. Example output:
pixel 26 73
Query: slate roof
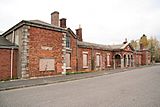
pixel 42 23
pixel 119 46
pixel 36 23
pixel 90 45
pixel 4 43
pixel 100 46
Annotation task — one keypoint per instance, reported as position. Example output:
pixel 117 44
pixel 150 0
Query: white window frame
pixel 98 60
pixel 108 60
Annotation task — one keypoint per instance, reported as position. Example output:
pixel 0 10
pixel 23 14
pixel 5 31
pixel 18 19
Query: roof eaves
pixel 46 26
pixel 93 45
pixel 13 28
pixel 8 47
pixel 70 31
pixel 124 45
pixel 31 23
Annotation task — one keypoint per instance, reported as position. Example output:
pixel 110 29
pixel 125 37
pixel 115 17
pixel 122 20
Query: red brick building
pixel 47 49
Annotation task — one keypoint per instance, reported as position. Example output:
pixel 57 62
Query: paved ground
pixel 134 88
pixel 21 83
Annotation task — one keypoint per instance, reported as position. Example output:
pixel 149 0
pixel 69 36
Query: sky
pixel 102 21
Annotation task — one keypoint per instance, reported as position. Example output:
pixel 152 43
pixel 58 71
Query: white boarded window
pixel 68 60
pixel 97 60
pixel 85 60
pixel 46 64
pixel 108 60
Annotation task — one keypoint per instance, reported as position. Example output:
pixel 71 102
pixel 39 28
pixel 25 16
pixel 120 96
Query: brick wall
pixel 138 58
pixel 103 59
pixel 92 59
pixel 40 39
pixel 143 58
pixel 5 65
pixel 146 57
pixel 73 53
pixel 80 59
pixel 149 57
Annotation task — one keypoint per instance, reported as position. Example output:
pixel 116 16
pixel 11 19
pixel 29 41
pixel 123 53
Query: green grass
pixel 71 73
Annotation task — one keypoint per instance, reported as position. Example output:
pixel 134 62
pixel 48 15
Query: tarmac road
pixel 134 88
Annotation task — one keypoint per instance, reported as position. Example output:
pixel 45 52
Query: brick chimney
pixel 55 18
pixel 63 22
pixel 79 33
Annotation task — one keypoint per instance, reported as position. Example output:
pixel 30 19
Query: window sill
pixel 69 49
pixel 68 68
pixel 97 66
pixel 48 71
pixel 85 66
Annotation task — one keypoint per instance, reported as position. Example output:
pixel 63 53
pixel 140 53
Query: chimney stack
pixel 125 41
pixel 63 22
pixel 79 33
pixel 55 18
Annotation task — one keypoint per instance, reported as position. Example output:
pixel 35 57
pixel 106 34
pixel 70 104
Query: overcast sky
pixel 102 21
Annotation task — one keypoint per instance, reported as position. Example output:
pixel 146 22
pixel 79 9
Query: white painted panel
pixel 47 64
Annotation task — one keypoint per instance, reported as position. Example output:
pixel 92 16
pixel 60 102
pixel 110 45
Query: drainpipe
pixel 11 63
pixel 76 56
pixel 92 59
pixel 12 56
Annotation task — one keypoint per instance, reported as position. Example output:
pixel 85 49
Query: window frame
pixel 98 60
pixel 85 65
pixel 108 60
pixel 68 42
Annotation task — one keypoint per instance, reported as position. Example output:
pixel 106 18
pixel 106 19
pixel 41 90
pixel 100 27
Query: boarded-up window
pixel 68 60
pixel 101 60
pixel 46 64
pixel 108 60
pixel 85 59
pixel 97 60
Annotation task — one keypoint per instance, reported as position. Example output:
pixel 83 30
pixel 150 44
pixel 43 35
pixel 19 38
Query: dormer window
pixel 68 41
